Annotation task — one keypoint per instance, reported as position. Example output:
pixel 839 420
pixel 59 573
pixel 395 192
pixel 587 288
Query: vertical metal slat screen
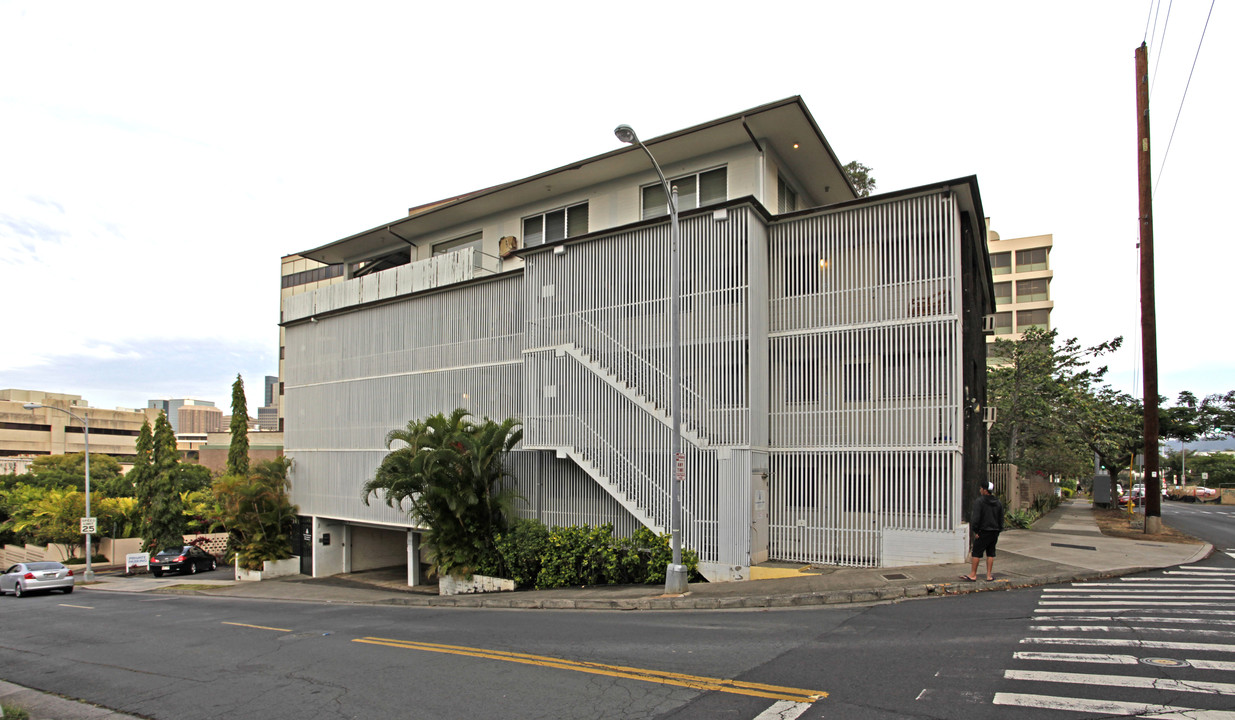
pixel 865 386
pixel 597 378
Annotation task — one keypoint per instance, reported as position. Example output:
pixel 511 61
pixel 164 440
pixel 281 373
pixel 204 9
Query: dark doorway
pixel 302 545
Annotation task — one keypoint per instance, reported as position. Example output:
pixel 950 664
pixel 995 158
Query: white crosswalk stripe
pixel 1111 707
pixel 1178 642
pixel 1135 618
pixel 1100 659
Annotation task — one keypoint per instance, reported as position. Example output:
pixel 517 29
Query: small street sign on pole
pixel 89 525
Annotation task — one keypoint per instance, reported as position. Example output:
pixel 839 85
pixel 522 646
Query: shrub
pixel 537 556
pixel 1045 502
pixel 1020 518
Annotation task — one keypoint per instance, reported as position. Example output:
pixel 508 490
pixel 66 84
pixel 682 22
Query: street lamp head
pixel 32 406
pixel 626 134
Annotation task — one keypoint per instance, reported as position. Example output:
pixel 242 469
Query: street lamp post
pixel 84 419
pixel 675 574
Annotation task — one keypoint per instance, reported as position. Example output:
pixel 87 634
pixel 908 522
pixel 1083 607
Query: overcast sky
pixel 158 159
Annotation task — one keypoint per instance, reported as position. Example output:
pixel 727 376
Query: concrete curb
pixel 689 601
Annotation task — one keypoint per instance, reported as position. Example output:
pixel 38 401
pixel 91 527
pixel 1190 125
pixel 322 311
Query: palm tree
pixel 450 471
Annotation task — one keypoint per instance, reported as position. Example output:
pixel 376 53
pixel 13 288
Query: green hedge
pixel 540 557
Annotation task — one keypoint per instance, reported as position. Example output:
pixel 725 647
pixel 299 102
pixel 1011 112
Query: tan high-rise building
pixel 199 419
pixel 1022 272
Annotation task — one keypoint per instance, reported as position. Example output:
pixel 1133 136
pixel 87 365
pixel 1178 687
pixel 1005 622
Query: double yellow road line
pixel 696 682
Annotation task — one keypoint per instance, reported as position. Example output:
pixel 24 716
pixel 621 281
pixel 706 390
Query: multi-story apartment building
pixel 1022 276
pixel 832 352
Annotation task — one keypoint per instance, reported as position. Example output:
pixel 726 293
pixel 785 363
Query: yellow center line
pixel 738 687
pixel 258 627
pixel 81 607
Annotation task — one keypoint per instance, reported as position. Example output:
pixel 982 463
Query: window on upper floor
pixel 1032 290
pixel 305 277
pixel 695 190
pixel 1026 319
pixel 1001 263
pixel 1032 259
pixel 1003 293
pixel 1003 323
pixel 473 241
pixel 786 198
pixel 557 224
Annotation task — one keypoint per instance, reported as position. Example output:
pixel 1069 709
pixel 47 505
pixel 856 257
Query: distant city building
pixel 268 418
pixel 262 446
pixel 43 431
pixel 198 419
pixel 272 387
pixel 1022 272
pixel 171 406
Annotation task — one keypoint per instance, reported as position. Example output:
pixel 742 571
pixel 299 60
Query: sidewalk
pixel 1065 546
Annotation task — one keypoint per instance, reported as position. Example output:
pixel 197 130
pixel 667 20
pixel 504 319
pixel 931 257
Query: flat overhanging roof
pixel 785 127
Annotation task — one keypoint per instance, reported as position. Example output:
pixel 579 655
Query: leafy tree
pixel 238 450
pixel 1219 466
pixel 69 470
pixel 119 516
pixel 861 179
pixel 1191 419
pixel 1034 381
pixel 257 514
pixel 1109 423
pixel 191 477
pixel 450 472
pixel 46 515
pixel 163 524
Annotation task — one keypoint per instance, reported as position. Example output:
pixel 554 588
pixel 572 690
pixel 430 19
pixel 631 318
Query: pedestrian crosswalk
pixel 1160 646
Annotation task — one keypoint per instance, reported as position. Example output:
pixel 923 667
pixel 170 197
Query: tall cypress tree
pixel 165 510
pixel 238 451
pixel 142 477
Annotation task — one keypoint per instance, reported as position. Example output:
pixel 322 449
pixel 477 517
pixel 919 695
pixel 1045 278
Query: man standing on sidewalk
pixel 986 522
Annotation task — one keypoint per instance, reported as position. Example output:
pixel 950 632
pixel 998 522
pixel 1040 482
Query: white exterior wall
pixel 611 204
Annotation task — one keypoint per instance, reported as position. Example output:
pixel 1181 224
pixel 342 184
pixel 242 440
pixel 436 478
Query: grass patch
pixel 1119 523
pixel 12 712
pixel 190 586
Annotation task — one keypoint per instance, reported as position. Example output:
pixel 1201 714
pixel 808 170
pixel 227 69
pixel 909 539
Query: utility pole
pixel 1149 322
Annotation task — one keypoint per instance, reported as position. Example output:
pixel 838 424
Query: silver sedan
pixel 23 578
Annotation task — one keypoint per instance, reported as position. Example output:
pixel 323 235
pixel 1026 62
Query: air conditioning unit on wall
pixel 507 245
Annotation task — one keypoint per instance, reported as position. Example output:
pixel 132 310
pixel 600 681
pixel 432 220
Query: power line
pixel 1148 17
pixel 1185 95
pixel 1154 36
pixel 1158 59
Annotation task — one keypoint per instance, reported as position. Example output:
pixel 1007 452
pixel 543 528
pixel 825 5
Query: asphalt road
pixel 1159 643
pixel 1211 522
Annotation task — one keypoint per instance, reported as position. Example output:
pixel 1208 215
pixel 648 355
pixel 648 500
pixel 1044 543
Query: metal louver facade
pixel 822 402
